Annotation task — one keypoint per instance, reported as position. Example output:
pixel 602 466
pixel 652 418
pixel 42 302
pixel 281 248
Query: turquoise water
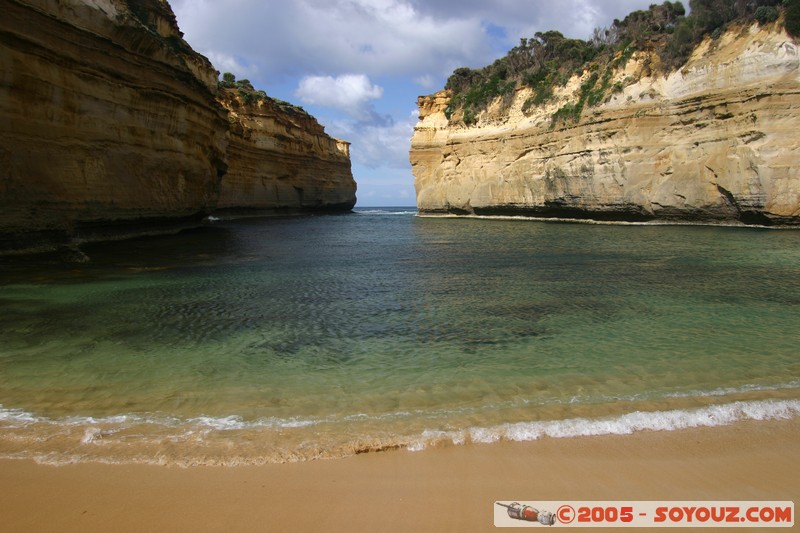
pixel 271 340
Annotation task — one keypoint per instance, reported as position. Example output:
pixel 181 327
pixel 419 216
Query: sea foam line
pixel 191 448
pixel 18 418
pixel 596 222
pixel 626 424
pixel 384 212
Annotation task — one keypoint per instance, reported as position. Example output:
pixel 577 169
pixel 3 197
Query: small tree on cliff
pixel 792 17
pixel 228 81
pixel 246 85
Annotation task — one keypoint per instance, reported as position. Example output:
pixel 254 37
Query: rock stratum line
pixel 111 126
pixel 713 142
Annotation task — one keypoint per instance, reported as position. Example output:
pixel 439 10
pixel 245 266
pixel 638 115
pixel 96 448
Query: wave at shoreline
pixel 231 441
pixel 627 424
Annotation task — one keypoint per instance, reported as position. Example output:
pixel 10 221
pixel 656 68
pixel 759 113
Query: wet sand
pixel 445 489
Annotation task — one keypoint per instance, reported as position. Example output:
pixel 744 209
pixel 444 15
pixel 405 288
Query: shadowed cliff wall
pixel 111 126
pixel 109 123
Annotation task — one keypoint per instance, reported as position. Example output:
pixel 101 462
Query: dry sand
pixel 444 489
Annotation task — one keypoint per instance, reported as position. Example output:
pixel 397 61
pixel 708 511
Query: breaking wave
pixel 230 441
pixel 717 415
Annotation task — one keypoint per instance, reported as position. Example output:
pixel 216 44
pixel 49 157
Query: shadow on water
pixel 217 243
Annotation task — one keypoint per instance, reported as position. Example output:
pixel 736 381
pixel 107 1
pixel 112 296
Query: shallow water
pixel 269 340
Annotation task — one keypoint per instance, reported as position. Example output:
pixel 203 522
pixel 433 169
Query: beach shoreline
pixel 447 488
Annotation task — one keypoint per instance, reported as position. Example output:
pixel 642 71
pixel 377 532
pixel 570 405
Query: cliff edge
pixel 714 141
pixel 109 123
pixel 281 160
pixel 111 126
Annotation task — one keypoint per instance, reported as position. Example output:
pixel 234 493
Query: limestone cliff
pixel 281 159
pixel 715 141
pixel 108 122
pixel 112 126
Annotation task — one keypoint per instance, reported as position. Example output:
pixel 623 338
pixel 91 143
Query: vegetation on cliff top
pixel 250 96
pixel 549 60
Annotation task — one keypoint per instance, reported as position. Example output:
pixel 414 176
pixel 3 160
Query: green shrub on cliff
pixel 228 81
pixel 475 89
pixel 792 20
pixel 245 85
pixel 248 97
pixel 245 91
pixel 549 59
pixel 766 14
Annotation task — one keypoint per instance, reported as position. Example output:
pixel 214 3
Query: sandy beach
pixel 445 489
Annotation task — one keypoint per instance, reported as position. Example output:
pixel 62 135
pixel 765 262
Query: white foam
pixel 297 423
pixel 232 423
pixel 99 437
pixel 716 415
pixel 118 420
pixel 594 222
pixel 225 423
pixel 16 417
pixel 91 434
pixel 384 212
pixel 416 446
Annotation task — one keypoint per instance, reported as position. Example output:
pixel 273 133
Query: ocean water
pixel 286 339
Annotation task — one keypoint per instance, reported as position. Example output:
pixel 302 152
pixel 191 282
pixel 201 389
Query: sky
pixel 358 66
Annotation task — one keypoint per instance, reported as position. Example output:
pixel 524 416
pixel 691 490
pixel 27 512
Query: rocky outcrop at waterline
pixel 111 126
pixel 715 140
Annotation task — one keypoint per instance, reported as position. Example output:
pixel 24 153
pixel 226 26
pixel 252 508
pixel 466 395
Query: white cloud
pixel 385 187
pixel 414 38
pixel 332 50
pixel 297 37
pixel 227 63
pixel 574 18
pixel 426 81
pixel 349 93
pixel 376 145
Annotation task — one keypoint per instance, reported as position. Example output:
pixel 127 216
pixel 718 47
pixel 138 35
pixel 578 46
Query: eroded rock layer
pixel 281 159
pixel 716 141
pixel 112 126
pixel 108 122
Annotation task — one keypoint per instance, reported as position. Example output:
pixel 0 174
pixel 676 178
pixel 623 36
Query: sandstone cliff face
pixel 108 122
pixel 280 159
pixel 716 141
pixel 112 126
